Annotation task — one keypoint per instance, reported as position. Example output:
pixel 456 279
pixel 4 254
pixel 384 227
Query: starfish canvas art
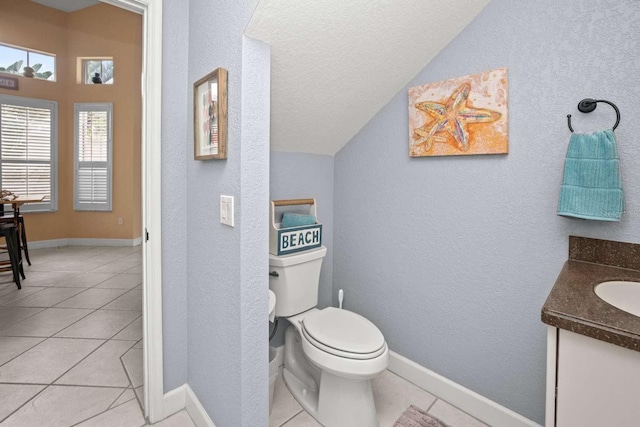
pixel 461 116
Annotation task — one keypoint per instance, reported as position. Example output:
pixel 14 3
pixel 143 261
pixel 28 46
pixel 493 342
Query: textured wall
pixel 299 176
pixel 454 257
pixel 220 310
pixel 176 146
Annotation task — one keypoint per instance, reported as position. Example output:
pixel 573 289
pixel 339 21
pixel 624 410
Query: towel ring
pixel 587 105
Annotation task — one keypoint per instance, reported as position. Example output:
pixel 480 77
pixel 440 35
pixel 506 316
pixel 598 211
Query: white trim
pixel 461 397
pixel 195 409
pixel 175 400
pixel 151 11
pixel 55 243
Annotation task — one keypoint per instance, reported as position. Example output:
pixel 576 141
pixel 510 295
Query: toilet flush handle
pixel 274 274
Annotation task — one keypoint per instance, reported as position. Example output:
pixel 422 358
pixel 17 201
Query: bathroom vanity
pixel 593 348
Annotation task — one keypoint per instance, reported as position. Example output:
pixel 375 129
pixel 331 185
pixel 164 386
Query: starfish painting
pixel 452 118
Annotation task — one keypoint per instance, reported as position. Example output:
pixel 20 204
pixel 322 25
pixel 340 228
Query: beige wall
pixel 97 31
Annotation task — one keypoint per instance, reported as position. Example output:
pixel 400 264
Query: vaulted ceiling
pixel 337 63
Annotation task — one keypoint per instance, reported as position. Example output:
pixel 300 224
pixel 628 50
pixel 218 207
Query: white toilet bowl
pixel 330 357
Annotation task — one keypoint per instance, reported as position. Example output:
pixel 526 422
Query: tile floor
pixel 71 341
pixel 392 396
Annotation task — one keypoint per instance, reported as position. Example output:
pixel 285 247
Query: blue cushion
pixel 297 220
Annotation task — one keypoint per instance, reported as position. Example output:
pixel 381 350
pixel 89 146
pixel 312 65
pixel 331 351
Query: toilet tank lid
pixel 344 330
pixel 297 258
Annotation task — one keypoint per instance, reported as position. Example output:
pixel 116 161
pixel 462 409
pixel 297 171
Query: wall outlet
pixel 120 220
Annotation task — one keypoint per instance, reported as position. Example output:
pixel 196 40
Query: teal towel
pixel 296 220
pixel 591 187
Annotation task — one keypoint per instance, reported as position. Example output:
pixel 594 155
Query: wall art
pixel 461 116
pixel 210 116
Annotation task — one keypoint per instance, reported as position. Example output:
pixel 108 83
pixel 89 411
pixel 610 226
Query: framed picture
pixel 210 116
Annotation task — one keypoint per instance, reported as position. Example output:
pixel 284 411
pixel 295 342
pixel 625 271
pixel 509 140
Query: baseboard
pixel 461 397
pixel 183 397
pixel 195 409
pixel 174 401
pixel 54 243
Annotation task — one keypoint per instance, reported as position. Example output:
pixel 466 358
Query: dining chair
pixel 8 231
pixel 9 217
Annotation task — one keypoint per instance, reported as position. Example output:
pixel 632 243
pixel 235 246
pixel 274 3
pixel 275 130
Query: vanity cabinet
pixel 590 382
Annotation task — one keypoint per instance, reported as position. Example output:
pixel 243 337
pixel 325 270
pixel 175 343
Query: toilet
pixel 330 354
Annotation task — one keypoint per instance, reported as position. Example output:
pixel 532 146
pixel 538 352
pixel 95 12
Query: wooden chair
pixel 7 217
pixel 8 231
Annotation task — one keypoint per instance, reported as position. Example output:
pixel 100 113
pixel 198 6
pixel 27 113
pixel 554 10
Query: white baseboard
pixel 461 397
pixel 195 409
pixel 174 401
pixel 184 398
pixel 54 243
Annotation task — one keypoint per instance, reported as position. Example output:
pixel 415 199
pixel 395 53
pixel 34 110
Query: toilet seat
pixel 343 333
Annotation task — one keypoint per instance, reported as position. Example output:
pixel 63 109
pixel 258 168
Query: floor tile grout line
pixel 38 343
pixel 95 415
pixel 96 349
pixel 43 309
pixel 26 296
pixel 50 306
pixel 69 385
pixel 292 417
pixel 133 343
pixel 88 289
pixel 432 403
pixel 27 401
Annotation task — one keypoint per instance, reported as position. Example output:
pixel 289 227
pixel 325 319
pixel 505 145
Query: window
pixel 103 67
pixel 93 157
pixel 28 149
pixel 13 59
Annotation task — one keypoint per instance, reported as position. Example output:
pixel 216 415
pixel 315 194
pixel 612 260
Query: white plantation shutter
pixel 28 147
pixel 93 157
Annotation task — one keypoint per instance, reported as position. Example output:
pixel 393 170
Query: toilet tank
pixel 297 280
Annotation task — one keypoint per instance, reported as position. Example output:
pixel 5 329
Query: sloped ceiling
pixel 335 63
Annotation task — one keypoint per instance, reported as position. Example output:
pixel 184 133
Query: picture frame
pixel 210 116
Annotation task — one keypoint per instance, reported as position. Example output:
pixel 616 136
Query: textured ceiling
pixel 67 5
pixel 337 63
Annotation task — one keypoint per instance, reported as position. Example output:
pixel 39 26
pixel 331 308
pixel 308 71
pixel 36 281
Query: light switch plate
pixel 226 210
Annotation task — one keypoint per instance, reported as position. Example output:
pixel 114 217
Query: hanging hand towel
pixel 591 187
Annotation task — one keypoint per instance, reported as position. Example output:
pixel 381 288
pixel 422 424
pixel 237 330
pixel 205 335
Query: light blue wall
pixel 227 284
pixel 301 176
pixel 174 191
pixel 453 258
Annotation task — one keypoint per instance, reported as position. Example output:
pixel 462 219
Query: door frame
pixel 151 11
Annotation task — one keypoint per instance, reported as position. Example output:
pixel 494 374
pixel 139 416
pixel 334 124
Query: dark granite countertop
pixel 573 304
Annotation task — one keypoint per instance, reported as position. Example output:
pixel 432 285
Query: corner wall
pixel 226 281
pixel 453 257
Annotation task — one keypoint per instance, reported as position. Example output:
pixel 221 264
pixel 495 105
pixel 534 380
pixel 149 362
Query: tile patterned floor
pixel 71 341
pixel 392 396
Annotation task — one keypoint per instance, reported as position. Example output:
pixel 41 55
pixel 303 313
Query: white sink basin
pixel 622 295
pixel 272 304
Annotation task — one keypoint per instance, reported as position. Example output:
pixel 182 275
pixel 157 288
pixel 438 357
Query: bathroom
pixel 452 258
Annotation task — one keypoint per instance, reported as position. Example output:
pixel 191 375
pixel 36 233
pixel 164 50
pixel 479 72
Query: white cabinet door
pixel 598 383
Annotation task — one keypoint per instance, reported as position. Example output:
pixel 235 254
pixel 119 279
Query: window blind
pixel 93 163
pixel 28 134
